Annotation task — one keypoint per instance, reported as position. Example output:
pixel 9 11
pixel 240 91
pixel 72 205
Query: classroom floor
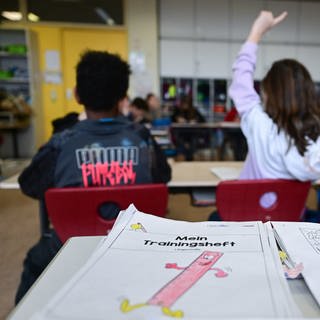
pixel 19 230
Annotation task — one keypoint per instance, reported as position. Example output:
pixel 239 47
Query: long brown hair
pixel 291 102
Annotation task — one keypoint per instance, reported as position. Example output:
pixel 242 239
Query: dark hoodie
pixel 101 152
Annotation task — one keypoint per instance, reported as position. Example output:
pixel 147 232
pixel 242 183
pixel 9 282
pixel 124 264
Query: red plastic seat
pixel 76 211
pixel 240 200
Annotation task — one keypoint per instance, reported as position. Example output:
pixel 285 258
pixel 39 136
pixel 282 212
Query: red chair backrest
pixel 240 200
pixel 75 211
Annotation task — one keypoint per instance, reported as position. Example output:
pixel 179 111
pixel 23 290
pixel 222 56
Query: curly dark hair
pixel 291 102
pixel 140 104
pixel 102 80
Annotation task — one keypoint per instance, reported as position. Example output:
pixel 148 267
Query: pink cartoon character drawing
pixel 174 289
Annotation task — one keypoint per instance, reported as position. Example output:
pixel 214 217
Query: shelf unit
pixel 209 95
pixel 14 63
pixel 17 74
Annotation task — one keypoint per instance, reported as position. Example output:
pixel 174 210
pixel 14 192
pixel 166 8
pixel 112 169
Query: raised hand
pixel 263 23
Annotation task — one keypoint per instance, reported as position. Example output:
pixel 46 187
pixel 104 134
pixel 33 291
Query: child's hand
pixel 263 23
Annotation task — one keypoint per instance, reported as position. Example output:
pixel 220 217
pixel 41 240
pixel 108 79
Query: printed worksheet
pixel 226 173
pixel 154 268
pixel 301 241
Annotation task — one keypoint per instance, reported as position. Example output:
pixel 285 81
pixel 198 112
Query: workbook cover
pixel 155 268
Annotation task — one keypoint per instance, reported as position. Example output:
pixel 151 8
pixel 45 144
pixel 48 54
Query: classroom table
pixel 205 135
pixel 195 178
pixel 198 173
pixel 10 170
pixel 10 182
pixel 207 125
pixel 76 252
pixel 184 174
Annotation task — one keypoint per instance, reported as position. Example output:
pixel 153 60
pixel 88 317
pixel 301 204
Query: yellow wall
pixel 52 97
pixel 75 41
pixel 69 42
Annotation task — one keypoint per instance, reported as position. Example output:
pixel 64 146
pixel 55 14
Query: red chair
pixel 77 211
pixel 241 200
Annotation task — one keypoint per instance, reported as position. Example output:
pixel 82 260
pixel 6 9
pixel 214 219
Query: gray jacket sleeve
pixel 39 175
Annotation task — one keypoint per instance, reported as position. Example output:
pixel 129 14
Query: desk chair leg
pixel 44 220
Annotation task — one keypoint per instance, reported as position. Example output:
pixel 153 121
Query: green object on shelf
pixel 16 48
pixel 5 74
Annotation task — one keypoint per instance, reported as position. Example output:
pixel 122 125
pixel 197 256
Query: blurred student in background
pixel 154 106
pixel 139 111
pixel 185 112
pixel 186 143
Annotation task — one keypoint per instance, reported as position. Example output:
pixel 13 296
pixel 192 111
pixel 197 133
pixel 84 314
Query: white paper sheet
pixel 154 268
pixel 10 183
pixel 226 173
pixel 301 241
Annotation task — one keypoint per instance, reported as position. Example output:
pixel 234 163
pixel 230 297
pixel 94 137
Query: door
pixel 74 42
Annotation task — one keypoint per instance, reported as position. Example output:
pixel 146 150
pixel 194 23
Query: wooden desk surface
pixel 66 263
pixel 184 174
pixel 197 173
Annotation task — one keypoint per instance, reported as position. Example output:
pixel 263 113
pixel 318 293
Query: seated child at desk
pixel 139 111
pixel 185 112
pixel 282 130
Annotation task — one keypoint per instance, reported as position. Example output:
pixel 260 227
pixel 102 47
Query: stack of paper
pixel 154 268
pixel 301 242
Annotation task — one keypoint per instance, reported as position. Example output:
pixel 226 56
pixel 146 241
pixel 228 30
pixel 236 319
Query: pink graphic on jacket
pixel 104 174
pixel 179 285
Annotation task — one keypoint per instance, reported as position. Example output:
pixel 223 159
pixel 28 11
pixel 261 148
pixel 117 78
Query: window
pixel 105 12
pixel 108 12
